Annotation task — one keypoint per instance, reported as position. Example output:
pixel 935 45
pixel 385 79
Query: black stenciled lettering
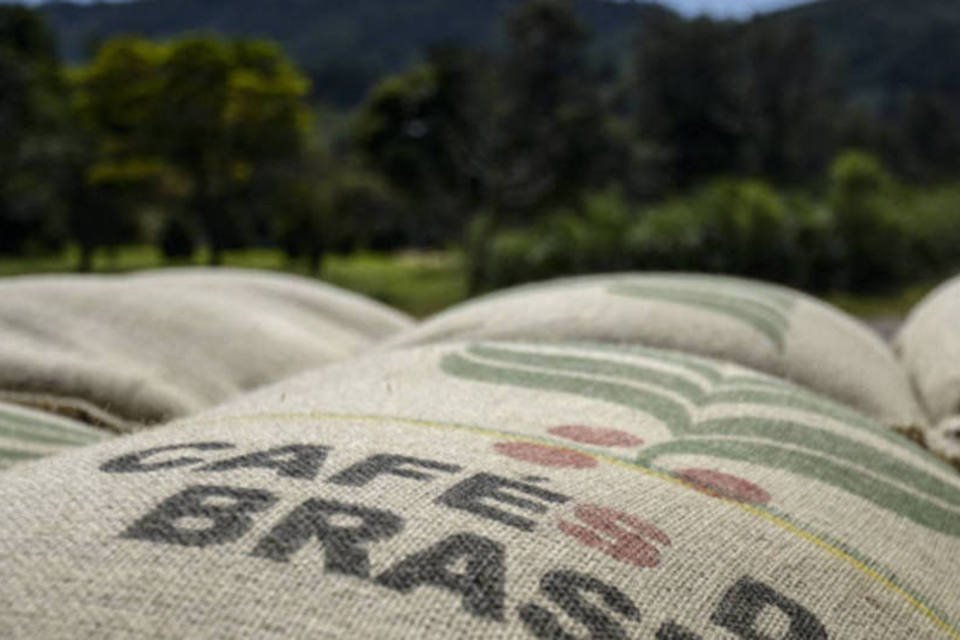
pixel 134 462
pixel 672 631
pixel 365 471
pixel 566 588
pixel 481 585
pixel 343 545
pixel 302 461
pixel 745 601
pixel 474 493
pixel 227 522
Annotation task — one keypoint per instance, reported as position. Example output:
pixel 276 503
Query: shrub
pixel 178 240
pixel 933 226
pixel 588 239
pixel 874 241
pixel 731 226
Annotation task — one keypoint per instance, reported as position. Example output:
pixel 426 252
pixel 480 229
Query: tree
pixel 35 145
pixel 790 100
pixel 727 98
pixel 553 123
pixel 931 133
pixel 691 95
pixel 122 171
pixel 420 129
pixel 217 122
pixel 873 238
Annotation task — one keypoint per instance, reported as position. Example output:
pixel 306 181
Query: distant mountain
pixel 888 47
pixel 882 47
pixel 344 44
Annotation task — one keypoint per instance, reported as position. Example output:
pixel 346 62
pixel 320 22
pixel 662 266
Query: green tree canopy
pixel 34 133
pixel 211 120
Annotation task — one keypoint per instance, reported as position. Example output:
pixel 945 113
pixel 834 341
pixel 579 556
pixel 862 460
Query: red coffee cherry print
pixel 545 455
pixel 620 535
pixel 724 485
pixel 599 436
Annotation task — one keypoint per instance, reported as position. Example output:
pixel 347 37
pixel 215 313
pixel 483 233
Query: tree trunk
pixel 85 264
pixel 315 261
pixel 216 255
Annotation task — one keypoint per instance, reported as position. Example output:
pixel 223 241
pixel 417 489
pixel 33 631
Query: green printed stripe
pixel 795 398
pixel 822 441
pixel 690 363
pixel 746 305
pixel 780 395
pixel 763 292
pixel 42 421
pixel 758 381
pixel 788 398
pixel 582 364
pixel 14 455
pixel 767 321
pixel 660 406
pixel 22 434
pixel 815 467
pixel 26 428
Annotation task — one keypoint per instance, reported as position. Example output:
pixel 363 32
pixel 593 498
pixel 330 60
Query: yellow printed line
pixel 859 565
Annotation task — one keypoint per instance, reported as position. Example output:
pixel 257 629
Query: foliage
pixel 873 238
pixel 216 121
pixel 589 239
pixel 880 47
pixel 887 47
pixel 709 150
pixel 851 241
pixel 728 98
pixel 178 240
pixel 35 144
pixel 418 129
pixel 510 135
pixel 345 48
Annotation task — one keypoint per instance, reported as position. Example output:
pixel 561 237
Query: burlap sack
pixel 492 490
pixel 762 326
pixel 27 434
pixel 944 440
pixel 929 346
pixel 145 348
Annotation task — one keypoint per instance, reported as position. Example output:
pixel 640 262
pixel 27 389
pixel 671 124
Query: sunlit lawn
pixel 896 304
pixel 420 283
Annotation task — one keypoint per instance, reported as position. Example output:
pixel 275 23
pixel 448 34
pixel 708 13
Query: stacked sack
pixel 500 489
pixel 762 326
pixel 929 345
pixel 554 487
pixel 133 350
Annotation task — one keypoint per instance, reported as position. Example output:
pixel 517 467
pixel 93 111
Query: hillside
pixel 888 46
pixel 881 47
pixel 344 44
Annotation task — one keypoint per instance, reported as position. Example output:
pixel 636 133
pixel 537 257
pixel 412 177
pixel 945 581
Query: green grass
pixel 875 306
pixel 419 283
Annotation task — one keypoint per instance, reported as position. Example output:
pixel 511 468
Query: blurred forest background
pixel 426 150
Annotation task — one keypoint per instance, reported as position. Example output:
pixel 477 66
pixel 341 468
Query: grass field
pixel 417 282
pixel 420 283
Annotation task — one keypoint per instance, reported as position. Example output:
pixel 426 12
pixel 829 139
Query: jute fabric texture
pixel 929 346
pixel 492 489
pixel 130 350
pixel 766 327
pixel 27 434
